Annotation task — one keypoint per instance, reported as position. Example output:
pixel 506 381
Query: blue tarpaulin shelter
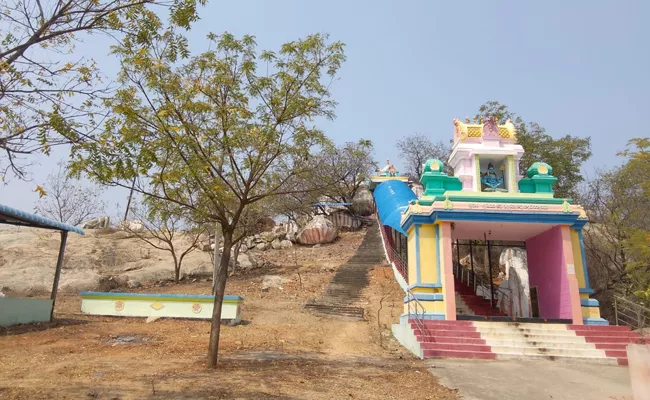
pixel 392 198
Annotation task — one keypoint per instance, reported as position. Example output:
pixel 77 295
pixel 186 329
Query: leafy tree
pixel 217 133
pixel 566 154
pixel 44 102
pixel 67 201
pixel 618 236
pixel 416 149
pixel 165 226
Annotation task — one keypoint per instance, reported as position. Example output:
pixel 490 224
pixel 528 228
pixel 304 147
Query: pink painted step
pixel 449 340
pixel 433 322
pixel 599 328
pixel 449 333
pixel 611 338
pixel 478 305
pixel 459 354
pixel 457 347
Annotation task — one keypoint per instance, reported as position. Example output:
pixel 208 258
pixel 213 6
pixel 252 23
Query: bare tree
pixel 164 227
pixel 416 149
pixel 66 200
pixel 345 170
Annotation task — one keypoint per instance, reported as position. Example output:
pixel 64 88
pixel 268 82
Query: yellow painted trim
pixel 160 299
pixel 412 260
pixel 577 259
pixel 426 290
pixel 456 193
pixel 477 173
pixel 428 270
pixel 590 312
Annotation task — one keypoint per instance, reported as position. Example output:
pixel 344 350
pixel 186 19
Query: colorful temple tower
pixel 486 199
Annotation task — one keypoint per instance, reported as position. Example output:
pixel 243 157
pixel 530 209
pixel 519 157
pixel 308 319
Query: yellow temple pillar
pixel 590 307
pixel 429 267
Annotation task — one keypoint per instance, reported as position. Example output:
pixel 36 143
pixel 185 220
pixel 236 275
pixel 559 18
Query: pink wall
pixel 547 271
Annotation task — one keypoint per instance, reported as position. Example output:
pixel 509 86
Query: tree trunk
pixel 215 267
pixel 177 268
pixel 220 286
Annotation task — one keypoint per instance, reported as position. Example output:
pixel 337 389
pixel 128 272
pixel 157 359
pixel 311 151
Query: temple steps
pixel 534 341
pixel 346 287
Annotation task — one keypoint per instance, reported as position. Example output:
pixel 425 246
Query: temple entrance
pixel 500 278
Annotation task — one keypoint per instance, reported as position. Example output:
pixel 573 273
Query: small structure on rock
pixel 97 223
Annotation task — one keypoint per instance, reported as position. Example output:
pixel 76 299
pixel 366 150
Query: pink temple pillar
pixel 447 270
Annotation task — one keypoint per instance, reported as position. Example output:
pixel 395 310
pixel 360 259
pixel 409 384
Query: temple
pixel 488 202
pixel 531 243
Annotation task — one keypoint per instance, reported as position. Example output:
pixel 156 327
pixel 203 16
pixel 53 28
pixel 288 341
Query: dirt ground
pixel 281 351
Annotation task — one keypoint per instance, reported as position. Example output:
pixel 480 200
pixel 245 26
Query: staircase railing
pixel 393 255
pixel 470 278
pixel 399 262
pixel 634 315
pixel 416 313
pixel 416 310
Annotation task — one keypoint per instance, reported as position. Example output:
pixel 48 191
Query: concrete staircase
pixel 509 340
pixel 350 279
pixel 469 303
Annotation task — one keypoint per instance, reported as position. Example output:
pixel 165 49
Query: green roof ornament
pixel 433 165
pixel 435 181
pixel 539 179
pixel 539 168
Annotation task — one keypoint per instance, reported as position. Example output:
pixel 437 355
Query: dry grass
pixel 281 351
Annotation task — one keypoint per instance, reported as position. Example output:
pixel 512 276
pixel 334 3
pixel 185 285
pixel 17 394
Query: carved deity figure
pixel 491 181
pixel 388 170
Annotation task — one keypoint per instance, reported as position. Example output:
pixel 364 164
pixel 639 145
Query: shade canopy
pixel 392 198
pixel 13 216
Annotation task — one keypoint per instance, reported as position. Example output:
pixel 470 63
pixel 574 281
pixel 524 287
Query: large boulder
pixel 273 281
pixel 285 244
pixel 97 223
pixel 202 271
pixel 246 261
pixel 318 230
pixel 133 226
pixel 363 202
pixel 269 236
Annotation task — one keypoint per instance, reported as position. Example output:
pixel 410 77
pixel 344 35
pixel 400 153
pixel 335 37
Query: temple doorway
pixel 500 278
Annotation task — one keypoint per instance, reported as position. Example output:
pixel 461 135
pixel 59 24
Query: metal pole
pixel 490 269
pixel 57 273
pixel 471 261
pixel 128 203
pixel 615 311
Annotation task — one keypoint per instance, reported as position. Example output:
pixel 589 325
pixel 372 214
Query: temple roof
pixel 466 132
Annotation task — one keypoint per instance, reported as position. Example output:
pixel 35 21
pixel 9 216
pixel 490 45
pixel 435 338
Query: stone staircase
pixel 510 340
pixel 469 303
pixel 350 279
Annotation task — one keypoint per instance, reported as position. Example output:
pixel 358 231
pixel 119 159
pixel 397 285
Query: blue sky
pixel 412 66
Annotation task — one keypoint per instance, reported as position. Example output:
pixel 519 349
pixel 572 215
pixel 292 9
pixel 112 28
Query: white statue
pixel 513 261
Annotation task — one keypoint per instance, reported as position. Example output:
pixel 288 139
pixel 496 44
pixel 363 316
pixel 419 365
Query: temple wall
pixel 546 268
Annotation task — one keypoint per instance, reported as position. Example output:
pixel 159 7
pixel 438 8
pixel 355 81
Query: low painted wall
pixel 23 311
pixel 161 305
pixel 546 270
